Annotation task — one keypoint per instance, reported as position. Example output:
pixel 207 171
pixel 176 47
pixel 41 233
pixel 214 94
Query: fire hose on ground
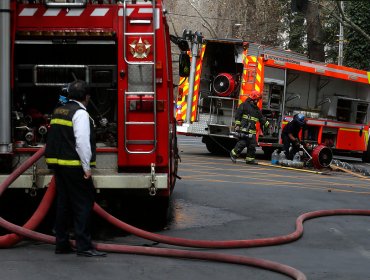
pixel 27 231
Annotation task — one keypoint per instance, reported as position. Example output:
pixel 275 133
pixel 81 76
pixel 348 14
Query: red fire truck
pixel 122 50
pixel 221 74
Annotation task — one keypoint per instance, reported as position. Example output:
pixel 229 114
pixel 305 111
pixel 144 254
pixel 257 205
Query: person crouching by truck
pixel 290 135
pixel 246 118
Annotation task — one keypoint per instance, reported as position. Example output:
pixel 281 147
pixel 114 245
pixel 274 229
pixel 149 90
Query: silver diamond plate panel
pixel 140 78
pixel 200 127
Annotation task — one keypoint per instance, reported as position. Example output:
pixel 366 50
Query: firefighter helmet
pixel 300 119
pixel 255 95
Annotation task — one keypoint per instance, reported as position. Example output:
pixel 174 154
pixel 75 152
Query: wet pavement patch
pixel 187 215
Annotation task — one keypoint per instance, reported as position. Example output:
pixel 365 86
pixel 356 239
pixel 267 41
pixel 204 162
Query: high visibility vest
pixel 61 142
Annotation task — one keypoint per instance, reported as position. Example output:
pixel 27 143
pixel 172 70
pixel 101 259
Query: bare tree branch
pixel 346 21
pixel 173 26
pixel 211 30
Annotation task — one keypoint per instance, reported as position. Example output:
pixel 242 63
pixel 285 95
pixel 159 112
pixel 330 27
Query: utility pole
pixel 341 38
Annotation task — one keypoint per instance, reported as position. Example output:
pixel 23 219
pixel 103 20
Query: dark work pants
pixel 250 143
pixel 75 196
pixel 286 142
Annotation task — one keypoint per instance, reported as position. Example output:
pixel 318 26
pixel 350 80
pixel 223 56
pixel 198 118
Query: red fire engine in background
pixel 122 50
pixel 222 73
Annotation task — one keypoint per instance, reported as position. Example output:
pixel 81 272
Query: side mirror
pixel 184 65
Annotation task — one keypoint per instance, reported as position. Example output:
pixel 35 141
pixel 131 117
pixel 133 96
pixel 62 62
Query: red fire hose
pixel 21 169
pixel 277 240
pixel 19 232
pixel 9 240
pixel 265 264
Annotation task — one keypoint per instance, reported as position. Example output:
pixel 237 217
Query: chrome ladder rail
pixel 152 93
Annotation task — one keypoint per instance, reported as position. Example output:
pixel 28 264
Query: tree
pixel 304 26
pixel 307 13
pixel 296 31
pixel 356 51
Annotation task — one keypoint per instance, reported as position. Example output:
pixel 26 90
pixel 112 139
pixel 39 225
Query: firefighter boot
pixel 233 156
pixel 249 160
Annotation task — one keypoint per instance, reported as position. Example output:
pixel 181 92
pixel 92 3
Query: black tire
pixel 212 146
pixel 219 145
pixel 158 212
pixel 138 209
pixel 366 154
pixel 267 152
pixel 174 159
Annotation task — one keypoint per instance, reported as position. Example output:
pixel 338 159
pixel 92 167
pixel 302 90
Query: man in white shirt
pixel 71 152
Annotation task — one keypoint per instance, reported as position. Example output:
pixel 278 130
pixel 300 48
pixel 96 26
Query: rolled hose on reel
pixel 320 155
pixel 261 263
pixel 224 85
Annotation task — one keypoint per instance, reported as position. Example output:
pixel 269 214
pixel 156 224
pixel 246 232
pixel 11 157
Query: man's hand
pixel 87 174
pixel 237 128
pixel 296 142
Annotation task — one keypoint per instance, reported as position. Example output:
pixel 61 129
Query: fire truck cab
pixel 222 73
pixel 122 50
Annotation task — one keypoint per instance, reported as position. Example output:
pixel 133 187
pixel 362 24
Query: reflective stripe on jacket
pixel 247 116
pixel 61 143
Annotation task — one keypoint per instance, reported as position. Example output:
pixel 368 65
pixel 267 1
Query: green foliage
pixel 331 31
pixel 297 32
pixel 357 48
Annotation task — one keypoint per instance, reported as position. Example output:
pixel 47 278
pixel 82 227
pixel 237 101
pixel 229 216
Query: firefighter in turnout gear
pixel 246 118
pixel 290 135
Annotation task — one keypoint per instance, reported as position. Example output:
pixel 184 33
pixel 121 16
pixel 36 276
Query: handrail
pixel 66 5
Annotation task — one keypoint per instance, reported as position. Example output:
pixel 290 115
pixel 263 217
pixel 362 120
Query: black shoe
pixel 233 157
pixel 67 250
pixel 91 253
pixel 251 162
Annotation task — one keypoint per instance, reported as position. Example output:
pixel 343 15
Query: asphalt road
pixel 218 200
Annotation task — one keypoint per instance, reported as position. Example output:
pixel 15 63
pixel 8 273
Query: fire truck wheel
pixel 159 212
pixel 366 154
pixel 174 159
pixel 267 152
pixel 219 145
pixel 212 146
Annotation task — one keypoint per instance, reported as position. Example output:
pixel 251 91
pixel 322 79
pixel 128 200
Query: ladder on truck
pixel 152 92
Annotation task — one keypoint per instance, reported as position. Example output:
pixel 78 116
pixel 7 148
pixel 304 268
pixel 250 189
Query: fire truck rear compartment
pixel 219 59
pixel 42 68
pixel 218 93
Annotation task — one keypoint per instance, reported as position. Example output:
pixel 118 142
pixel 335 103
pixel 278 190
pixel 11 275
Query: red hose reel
pixel 321 156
